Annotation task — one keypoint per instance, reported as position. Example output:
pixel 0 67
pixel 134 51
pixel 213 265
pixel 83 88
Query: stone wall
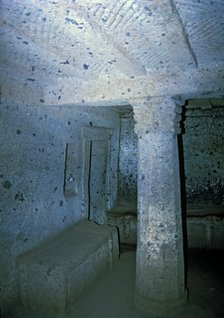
pixel 203 146
pixel 32 164
pixel 128 164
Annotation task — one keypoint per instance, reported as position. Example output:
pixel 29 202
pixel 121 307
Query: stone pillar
pixel 160 282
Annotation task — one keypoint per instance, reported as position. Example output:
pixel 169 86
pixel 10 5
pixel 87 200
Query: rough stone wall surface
pixel 128 161
pixel 86 51
pixel 203 157
pixel 32 162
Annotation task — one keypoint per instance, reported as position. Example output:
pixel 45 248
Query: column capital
pixel 156 114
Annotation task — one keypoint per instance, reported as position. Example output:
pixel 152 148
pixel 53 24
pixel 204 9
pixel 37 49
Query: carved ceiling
pixel 122 48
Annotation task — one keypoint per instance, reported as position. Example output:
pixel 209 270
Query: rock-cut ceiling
pixel 89 50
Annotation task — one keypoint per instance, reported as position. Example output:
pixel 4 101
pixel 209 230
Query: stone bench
pixel 55 275
pixel 126 222
pixel 206 232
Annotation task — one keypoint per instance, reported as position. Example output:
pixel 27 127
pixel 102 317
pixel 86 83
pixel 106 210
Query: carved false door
pixel 96 174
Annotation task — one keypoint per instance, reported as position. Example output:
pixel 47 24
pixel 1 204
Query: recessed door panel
pixel 98 180
pixel 96 173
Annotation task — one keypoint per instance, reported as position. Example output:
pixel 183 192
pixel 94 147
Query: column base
pixel 161 309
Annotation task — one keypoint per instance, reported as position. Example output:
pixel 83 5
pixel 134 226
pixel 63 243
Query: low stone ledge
pixel 126 224
pixel 206 232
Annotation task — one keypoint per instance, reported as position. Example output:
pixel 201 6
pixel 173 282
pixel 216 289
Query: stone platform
pixel 126 222
pixel 205 228
pixel 55 275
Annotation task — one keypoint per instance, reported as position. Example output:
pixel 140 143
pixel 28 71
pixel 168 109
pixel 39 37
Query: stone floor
pixel 112 295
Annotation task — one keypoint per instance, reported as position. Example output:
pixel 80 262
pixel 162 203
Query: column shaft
pixel 160 283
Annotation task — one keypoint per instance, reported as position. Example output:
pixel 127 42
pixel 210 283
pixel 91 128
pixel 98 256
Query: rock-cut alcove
pixel 201 159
